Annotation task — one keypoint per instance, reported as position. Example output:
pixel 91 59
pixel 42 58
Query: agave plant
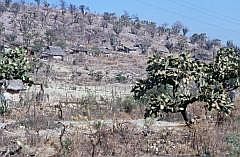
pixel 188 80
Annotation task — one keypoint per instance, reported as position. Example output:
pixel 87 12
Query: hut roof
pixel 53 51
pixel 15 85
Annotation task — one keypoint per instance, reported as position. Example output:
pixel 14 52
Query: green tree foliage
pixel 14 64
pixel 181 80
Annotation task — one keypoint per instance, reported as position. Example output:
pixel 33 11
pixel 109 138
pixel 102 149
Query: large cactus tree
pixel 15 64
pixel 182 80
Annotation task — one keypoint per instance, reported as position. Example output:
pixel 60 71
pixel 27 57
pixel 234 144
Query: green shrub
pixel 120 78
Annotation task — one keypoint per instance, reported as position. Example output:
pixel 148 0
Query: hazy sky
pixel 218 18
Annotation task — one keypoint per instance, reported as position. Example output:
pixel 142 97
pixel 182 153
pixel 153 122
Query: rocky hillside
pixel 75 28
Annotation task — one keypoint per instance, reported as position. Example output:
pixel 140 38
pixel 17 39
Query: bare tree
pixel 15 8
pixel 230 44
pixel 22 5
pixel 44 15
pixel 114 41
pixel 72 9
pixel 185 30
pixel 2 30
pixel 117 27
pixel 63 6
pixel 125 19
pixel 200 39
pixel 181 45
pixel 25 23
pixel 144 44
pixel 104 24
pixel 50 36
pixel 8 3
pixel 109 16
pixel 38 2
pixel 2 8
pixel 89 35
pixel 169 46
pixel 83 9
pixel 162 29
pixel 151 28
pixel 133 30
pixel 177 27
pixel 90 19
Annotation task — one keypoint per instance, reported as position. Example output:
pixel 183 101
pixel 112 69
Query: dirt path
pixel 139 123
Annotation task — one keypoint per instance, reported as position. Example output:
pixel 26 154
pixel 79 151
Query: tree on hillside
pixel 50 36
pixel 90 19
pixel 15 8
pixel 200 39
pixel 230 44
pixel 108 16
pixel 125 19
pixel 117 27
pixel 104 24
pixel 63 6
pixel 84 9
pixel 213 43
pixel 72 8
pixel 2 28
pixel 14 64
pixel 162 29
pixel 151 29
pixel 46 4
pixel 169 46
pixel 177 27
pixel 133 30
pixel 174 82
pixel 114 41
pixel 144 45
pixel 185 31
pixel 2 9
pixel 38 2
pixel 8 3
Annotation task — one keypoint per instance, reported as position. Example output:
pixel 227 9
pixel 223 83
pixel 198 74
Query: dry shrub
pixel 206 138
pixel 119 140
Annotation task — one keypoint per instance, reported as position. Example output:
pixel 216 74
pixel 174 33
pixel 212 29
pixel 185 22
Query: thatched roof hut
pixel 15 86
pixel 53 52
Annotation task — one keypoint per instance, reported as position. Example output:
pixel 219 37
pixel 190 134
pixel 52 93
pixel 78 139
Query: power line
pixel 208 12
pixel 215 26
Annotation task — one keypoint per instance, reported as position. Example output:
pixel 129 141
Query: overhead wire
pixel 207 12
pixel 213 25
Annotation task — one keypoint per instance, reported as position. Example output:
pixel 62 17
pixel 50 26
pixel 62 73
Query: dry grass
pixel 209 137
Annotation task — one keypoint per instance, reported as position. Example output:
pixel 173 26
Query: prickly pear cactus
pixel 182 80
pixel 14 64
